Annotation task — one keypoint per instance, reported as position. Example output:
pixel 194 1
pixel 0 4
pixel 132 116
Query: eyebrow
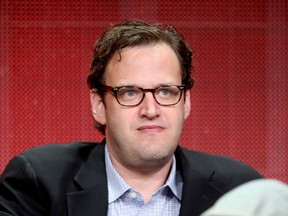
pixel 157 86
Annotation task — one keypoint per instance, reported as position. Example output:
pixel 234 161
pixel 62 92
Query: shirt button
pixel 133 195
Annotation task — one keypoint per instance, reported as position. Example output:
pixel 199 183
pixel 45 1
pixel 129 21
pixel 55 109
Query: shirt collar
pixel 117 186
pixel 174 181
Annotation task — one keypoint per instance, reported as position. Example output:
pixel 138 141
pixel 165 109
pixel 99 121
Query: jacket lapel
pixel 92 197
pixel 199 193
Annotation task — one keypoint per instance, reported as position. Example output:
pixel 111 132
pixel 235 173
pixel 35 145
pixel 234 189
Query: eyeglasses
pixel 132 96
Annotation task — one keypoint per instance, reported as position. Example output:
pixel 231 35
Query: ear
pixel 187 104
pixel 98 107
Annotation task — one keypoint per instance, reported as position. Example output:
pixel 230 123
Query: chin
pixel 153 163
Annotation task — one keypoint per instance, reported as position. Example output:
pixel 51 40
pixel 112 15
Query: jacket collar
pixel 199 192
pixel 92 197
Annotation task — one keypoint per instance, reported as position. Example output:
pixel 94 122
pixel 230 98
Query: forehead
pixel 145 64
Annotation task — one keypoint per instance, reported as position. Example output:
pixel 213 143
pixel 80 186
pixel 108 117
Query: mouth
pixel 150 128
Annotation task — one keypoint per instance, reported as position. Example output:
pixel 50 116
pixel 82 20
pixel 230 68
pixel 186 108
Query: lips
pixel 150 128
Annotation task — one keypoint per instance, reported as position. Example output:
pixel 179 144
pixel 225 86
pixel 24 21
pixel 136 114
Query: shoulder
pixel 54 149
pixel 214 161
pixel 53 159
pixel 43 174
pixel 219 167
pixel 57 151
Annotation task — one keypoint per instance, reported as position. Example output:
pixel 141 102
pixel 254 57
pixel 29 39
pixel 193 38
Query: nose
pixel 149 108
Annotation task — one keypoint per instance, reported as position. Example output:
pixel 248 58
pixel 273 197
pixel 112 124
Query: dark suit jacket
pixel 71 180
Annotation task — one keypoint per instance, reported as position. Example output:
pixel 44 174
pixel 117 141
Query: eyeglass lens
pixel 132 96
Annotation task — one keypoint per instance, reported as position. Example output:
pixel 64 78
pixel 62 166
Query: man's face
pixel 144 136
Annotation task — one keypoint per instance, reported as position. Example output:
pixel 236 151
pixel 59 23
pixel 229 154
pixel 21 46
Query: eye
pixel 169 91
pixel 165 91
pixel 128 93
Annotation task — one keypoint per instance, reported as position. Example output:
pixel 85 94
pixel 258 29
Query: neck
pixel 145 181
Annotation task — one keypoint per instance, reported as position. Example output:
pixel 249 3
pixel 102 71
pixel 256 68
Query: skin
pixel 141 140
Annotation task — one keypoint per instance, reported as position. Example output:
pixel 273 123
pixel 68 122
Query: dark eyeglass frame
pixel 115 90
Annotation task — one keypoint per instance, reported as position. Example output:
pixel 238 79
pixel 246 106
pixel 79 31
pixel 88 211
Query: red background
pixel 239 103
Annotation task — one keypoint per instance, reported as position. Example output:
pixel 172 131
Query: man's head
pixel 132 33
pixel 139 81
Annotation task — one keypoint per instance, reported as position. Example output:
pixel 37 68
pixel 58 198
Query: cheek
pixel 177 113
pixel 119 119
pixel 179 119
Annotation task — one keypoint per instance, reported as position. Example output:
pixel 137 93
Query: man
pixel 140 80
